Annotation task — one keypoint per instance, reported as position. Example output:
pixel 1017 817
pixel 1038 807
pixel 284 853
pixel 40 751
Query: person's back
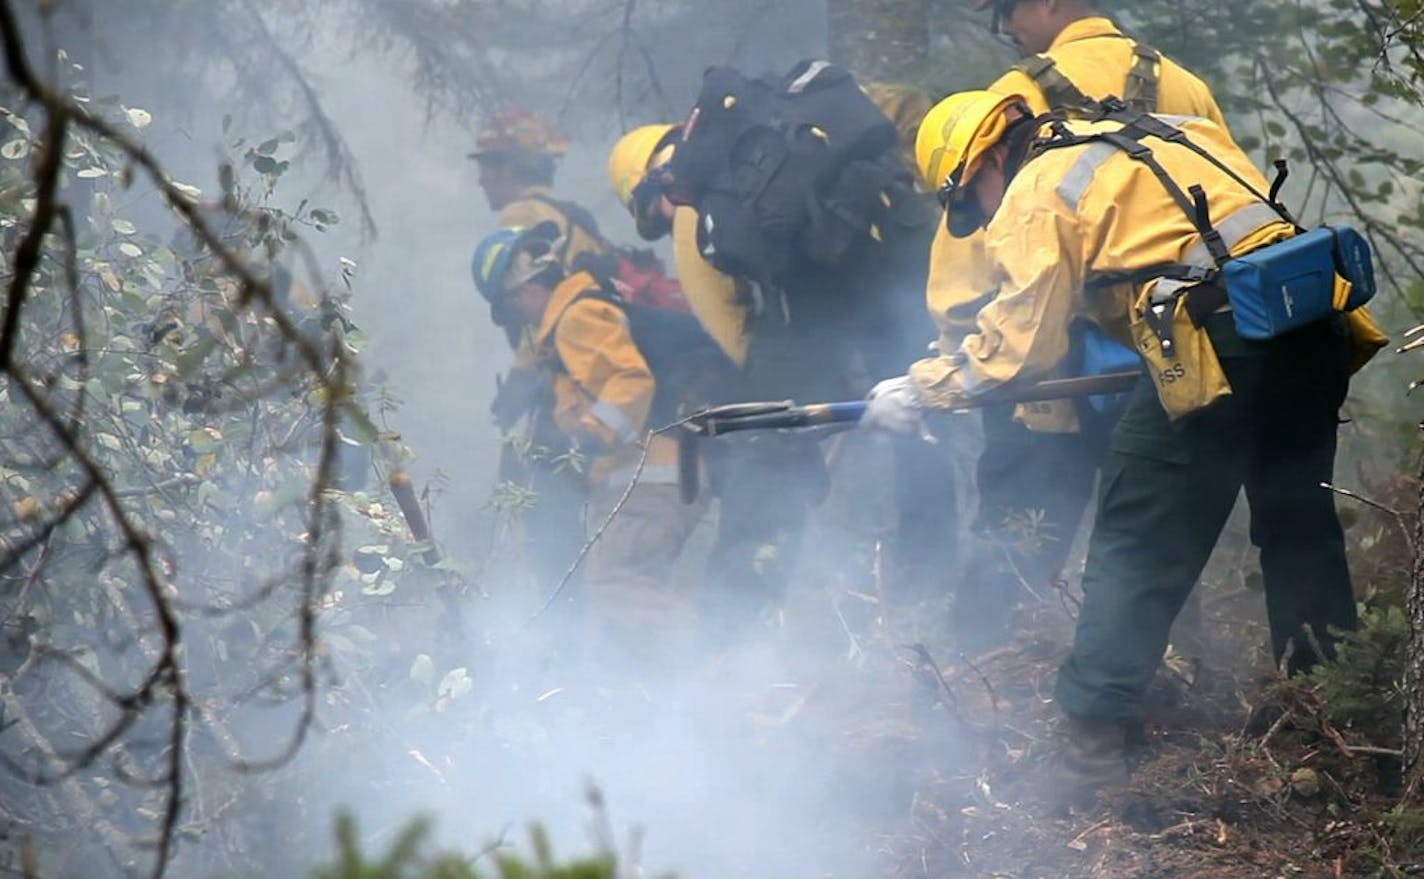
pixel 1092 57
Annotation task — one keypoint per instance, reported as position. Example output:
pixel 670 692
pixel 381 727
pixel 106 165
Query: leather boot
pixel 1092 756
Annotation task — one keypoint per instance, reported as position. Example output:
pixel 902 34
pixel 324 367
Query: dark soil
pixel 1238 772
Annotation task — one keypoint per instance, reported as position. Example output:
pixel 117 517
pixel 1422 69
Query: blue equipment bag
pixel 1292 283
pixel 1355 263
pixel 1102 354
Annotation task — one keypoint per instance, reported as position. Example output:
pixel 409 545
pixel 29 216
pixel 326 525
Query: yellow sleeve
pixel 1037 256
pixel 713 295
pixel 1183 92
pixel 610 387
pixel 1016 82
pixel 1210 109
pixel 959 284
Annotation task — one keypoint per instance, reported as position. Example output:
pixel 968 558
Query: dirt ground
pixel 1239 774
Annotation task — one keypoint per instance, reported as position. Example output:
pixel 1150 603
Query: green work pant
pixel 1167 490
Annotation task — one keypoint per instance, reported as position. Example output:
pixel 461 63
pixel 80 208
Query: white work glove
pixel 894 405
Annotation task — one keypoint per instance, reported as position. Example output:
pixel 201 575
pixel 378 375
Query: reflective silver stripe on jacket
pixel 1080 173
pixel 615 419
pixel 656 474
pixel 1234 228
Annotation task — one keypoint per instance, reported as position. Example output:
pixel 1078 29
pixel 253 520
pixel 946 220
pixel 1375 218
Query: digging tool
pixel 787 415
pixel 404 492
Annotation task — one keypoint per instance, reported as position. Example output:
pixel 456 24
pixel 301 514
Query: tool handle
pixel 781 416
pixel 810 415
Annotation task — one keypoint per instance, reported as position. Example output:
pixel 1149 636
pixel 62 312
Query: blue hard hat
pixel 491 261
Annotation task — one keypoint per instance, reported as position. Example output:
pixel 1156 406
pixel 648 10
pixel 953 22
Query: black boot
pixel 1091 757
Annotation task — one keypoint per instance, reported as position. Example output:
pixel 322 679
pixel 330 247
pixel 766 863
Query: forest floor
pixel 1240 773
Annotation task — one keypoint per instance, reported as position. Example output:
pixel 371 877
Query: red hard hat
pixel 518 130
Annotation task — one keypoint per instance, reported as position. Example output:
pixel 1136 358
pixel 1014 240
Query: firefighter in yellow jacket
pixel 717 299
pixel 518 152
pixel 759 528
pixel 603 392
pixel 1036 471
pixel 1078 226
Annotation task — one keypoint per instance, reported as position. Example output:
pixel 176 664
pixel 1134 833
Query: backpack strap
pixel 1176 279
pixel 1137 124
pixel 1058 90
pixel 576 216
pixel 1140 91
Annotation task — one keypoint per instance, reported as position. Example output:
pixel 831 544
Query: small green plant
pixel 407 859
pixel 1360 686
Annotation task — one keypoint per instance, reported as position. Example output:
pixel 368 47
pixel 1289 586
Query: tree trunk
pixel 1414 666
pixel 885 40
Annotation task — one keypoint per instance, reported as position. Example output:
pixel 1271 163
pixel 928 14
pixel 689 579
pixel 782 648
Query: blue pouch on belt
pixel 1102 354
pixel 1292 283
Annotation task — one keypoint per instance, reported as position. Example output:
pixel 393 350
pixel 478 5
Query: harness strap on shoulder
pixel 1141 87
pixel 1149 125
pixel 1140 152
pixel 576 216
pixel 1058 90
pixel 1201 213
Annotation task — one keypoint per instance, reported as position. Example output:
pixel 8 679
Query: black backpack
pixel 803 166
pixel 690 370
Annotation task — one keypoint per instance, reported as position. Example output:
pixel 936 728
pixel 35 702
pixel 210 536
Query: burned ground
pixel 1239 772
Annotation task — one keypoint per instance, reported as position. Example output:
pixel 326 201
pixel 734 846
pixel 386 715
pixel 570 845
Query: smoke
pixel 755 760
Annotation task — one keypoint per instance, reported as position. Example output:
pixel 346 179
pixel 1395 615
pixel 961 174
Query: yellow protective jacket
pixel 1077 212
pixel 603 388
pixel 717 300
pixel 1096 57
pixel 536 205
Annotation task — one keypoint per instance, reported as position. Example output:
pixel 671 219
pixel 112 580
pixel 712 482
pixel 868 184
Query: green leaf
pixel 15 149
pixel 265 164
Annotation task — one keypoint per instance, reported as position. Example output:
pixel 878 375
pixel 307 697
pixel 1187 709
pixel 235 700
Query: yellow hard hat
pixel 957 132
pixel 632 155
